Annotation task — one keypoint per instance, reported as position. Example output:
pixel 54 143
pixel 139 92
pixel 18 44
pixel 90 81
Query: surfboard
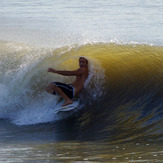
pixel 60 108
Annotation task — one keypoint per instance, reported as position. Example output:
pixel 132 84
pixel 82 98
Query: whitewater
pixel 119 118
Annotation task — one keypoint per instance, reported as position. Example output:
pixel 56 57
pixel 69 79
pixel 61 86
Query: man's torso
pixel 78 84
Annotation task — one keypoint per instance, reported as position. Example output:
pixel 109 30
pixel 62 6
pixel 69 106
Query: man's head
pixel 83 62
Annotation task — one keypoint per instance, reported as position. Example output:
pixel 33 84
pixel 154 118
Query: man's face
pixel 83 62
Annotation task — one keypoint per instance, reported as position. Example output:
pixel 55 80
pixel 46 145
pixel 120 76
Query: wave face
pixel 123 95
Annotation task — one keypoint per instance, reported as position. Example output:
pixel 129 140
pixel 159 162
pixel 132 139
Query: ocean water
pixel 119 118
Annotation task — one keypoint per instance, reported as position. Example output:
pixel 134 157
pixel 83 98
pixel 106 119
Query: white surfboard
pixel 60 108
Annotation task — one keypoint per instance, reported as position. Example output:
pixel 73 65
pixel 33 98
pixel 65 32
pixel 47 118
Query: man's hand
pixel 51 70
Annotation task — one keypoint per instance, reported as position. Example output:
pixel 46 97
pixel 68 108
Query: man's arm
pixel 77 72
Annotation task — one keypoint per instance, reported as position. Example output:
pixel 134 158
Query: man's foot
pixel 68 102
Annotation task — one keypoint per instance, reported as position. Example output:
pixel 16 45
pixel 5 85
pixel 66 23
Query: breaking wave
pixel 123 94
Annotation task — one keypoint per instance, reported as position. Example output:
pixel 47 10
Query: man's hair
pixel 84 58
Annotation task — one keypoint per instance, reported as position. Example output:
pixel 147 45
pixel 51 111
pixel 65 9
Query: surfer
pixel 68 91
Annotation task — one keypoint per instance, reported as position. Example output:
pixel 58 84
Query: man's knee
pixel 50 88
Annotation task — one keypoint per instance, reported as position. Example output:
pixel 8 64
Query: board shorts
pixel 68 89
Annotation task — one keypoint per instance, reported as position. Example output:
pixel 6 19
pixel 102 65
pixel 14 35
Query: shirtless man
pixel 68 91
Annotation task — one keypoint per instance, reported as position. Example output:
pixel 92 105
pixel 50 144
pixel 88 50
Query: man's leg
pixel 52 87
